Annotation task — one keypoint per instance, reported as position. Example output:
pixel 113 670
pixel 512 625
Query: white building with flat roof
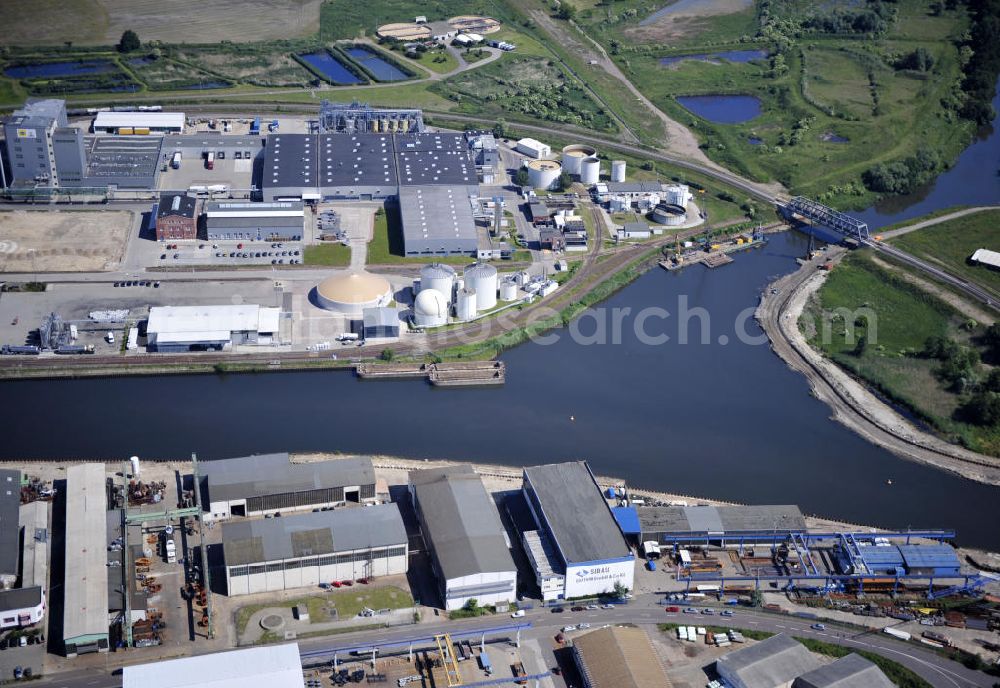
pixel 200 328
pixel 156 122
pixel 534 149
pixel 268 666
pixel 85 609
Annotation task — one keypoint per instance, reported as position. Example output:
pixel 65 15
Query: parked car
pixel 671 610
pixel 727 612
pixel 576 609
pixel 567 629
pixel 690 610
pixel 592 606
pixel 818 627
pixel 558 610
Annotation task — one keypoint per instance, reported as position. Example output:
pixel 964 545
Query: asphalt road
pixel 937 670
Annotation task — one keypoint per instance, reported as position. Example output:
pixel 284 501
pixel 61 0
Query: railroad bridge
pixel 812 212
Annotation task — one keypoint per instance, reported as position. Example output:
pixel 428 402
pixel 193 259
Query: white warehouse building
pixel 468 545
pixel 201 328
pixel 268 666
pixel 304 550
pixel 588 544
pixel 155 122
pixel 534 149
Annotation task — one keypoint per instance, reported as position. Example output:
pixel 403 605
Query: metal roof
pixel 255 210
pixel 429 213
pixel 768 663
pixel 881 557
pixel 628 519
pixel 268 474
pixel 927 556
pixel 86 578
pixel 461 522
pixel 313 533
pixel 170 323
pixel 10 507
pixel 153 120
pixel 269 666
pixel 619 657
pixel 632 187
pixel 35 564
pixel 542 553
pixel 575 513
pixel 850 671
pixel 684 520
pixel 20 598
pixel 986 257
pixel 380 317
pixel 436 158
pixel 122 156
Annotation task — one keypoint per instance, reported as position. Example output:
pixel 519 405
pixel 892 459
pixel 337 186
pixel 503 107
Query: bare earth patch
pixel 62 241
pixel 683 18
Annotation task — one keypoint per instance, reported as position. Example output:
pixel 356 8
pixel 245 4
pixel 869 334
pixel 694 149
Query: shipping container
pixel 124 131
pixel 902 635
pixel 141 130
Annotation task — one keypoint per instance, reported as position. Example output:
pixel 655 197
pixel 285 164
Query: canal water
pixel 725 420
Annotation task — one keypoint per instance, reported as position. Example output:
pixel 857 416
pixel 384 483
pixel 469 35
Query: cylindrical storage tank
pixel 430 309
pixel 508 289
pixel 668 214
pixel 542 174
pixel 135 466
pixel 465 304
pixel 573 155
pixel 617 170
pixel 351 293
pixel 482 277
pixel 590 170
pixel 439 277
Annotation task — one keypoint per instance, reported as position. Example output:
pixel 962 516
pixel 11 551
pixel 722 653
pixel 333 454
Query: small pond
pixel 330 67
pixel 723 109
pixel 741 56
pixel 830 137
pixel 59 69
pixel 383 70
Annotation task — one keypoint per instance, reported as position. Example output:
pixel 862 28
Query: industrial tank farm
pixel 440 278
pixel 351 293
pixel 590 170
pixel 573 156
pixel 482 277
pixel 430 309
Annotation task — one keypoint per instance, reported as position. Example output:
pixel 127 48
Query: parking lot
pixel 226 253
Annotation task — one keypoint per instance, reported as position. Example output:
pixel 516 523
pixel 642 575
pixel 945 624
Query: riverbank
pixel 853 404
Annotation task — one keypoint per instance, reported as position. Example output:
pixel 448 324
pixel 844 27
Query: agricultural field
pixel 101 22
pixel 880 334
pixel 524 87
pixel 951 243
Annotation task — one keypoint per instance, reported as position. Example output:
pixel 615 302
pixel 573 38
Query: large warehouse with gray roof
pixel 304 550
pixel 564 496
pixel 268 483
pixel 462 530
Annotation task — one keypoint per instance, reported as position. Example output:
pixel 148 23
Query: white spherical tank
pixel 508 289
pixel 573 155
pixel 439 277
pixel 617 170
pixel 590 170
pixel 430 308
pixel 542 174
pixel 465 304
pixel 482 277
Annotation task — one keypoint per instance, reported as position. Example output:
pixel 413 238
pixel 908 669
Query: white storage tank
pixel 617 170
pixel 482 277
pixel 574 154
pixel 439 277
pixel 135 466
pixel 678 194
pixel 465 304
pixel 542 174
pixel 508 289
pixel 590 170
pixel 430 308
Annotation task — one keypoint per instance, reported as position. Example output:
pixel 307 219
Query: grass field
pixel 951 243
pixel 348 603
pixel 863 299
pixel 101 22
pixel 335 255
pixel 260 64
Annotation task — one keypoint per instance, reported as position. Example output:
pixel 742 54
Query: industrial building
pixel 10 541
pixel 486 154
pixel 634 230
pixel 29 133
pixel 594 558
pixel 669 525
pixel 632 190
pixel 268 483
pixel 130 123
pixel 304 550
pixel 360 118
pixel 883 558
pixel 267 666
pixel 771 663
pixel 379 323
pixel 258 221
pixel 545 563
pixel 21 607
pixel 850 671
pixel 117 161
pixel 467 542
pixel 437 221
pixel 35 544
pixel 176 218
pixel 986 257
pixel 533 148
pixel 85 607
pixel 351 293
pixel 618 657
pixel 203 328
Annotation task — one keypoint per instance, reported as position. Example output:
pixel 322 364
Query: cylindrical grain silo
pixel 508 289
pixel 438 277
pixel 465 304
pixel 574 154
pixel 617 170
pixel 590 170
pixel 482 277
pixel 542 174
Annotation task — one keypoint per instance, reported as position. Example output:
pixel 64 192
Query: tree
pixel 566 11
pixel 472 604
pixel 619 591
pixel 983 408
pixel 563 182
pixel 521 176
pixel 500 129
pixel 387 355
pixel 129 42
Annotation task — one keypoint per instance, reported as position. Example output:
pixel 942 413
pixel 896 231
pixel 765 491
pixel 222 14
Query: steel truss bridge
pixel 814 212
